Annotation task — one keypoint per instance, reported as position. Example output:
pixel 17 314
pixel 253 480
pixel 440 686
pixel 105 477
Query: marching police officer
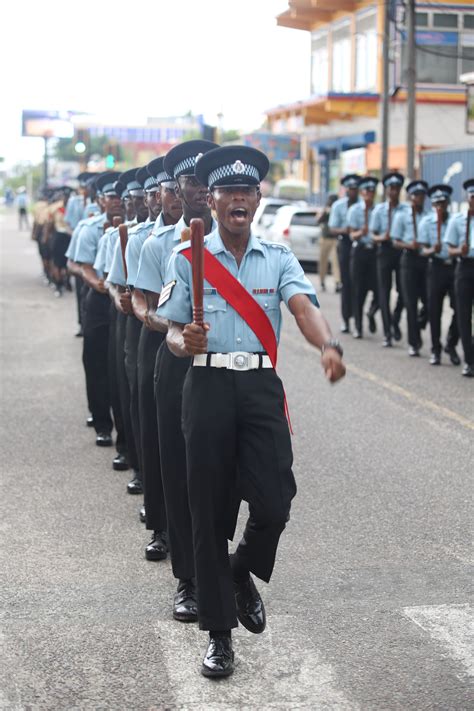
pixel 234 419
pixel 363 265
pixel 440 274
pixel 460 240
pixel 388 258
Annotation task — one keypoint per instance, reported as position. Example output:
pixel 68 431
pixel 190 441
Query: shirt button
pixel 266 305
pixel 210 307
pixel 238 339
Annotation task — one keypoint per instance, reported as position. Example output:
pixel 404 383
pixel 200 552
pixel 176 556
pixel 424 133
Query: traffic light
pixel 112 155
pixel 82 141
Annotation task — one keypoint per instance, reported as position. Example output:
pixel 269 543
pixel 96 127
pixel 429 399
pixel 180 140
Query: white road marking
pixel 452 626
pixel 279 669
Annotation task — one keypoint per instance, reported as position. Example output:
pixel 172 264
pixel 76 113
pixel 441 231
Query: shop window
pixel 341 59
pixel 468 23
pixel 319 64
pixel 443 19
pixel 421 19
pixel 366 52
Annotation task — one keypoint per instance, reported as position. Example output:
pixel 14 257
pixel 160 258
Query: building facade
pixel 339 122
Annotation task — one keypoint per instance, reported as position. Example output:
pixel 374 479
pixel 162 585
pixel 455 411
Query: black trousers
pixel 79 284
pixel 464 290
pixel 120 442
pixel 95 358
pixel 364 279
pixel 236 432
pixel 440 283
pixel 170 373
pixel 124 391
pixel 344 250
pixel 148 345
pixel 413 279
pixel 388 264
pixel 133 327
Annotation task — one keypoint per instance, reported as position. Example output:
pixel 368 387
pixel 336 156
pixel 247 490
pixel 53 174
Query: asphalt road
pixel 369 605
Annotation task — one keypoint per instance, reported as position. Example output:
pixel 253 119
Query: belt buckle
pixel 240 361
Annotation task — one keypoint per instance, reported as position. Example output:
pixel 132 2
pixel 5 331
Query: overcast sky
pixel 153 58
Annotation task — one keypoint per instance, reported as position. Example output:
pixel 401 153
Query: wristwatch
pixel 332 343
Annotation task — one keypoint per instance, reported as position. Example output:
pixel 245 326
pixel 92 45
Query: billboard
pixel 46 124
pixel 277 147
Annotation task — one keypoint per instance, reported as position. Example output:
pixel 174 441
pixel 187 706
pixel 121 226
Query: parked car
pixel 265 215
pixel 295 226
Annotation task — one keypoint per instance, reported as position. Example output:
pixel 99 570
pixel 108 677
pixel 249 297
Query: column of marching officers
pixel 420 248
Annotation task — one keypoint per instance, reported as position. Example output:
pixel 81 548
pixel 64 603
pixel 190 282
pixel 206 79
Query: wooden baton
pixel 123 233
pixel 197 256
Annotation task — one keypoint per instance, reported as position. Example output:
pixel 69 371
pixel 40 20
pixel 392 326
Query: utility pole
pixel 411 89
pixel 385 89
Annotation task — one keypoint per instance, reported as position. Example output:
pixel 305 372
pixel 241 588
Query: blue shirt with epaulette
pixel 356 221
pixel 428 234
pixel 111 249
pixel 136 240
pixel 99 263
pixel 71 250
pixel 338 214
pixel 74 210
pixel 456 232
pixel 88 241
pixel 379 218
pixel 402 223
pixel 269 271
pixel 90 209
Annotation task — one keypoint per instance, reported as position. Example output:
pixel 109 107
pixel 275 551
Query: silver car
pixel 265 214
pixel 296 227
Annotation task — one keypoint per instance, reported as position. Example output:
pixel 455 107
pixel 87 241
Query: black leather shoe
pixel 387 343
pixel 142 514
pixel 250 607
pixel 90 421
pixel 453 355
pixel 157 549
pixel 413 352
pixel 468 371
pixel 219 659
pixel 345 327
pixel 80 333
pixel 104 439
pixel 397 334
pixel 135 486
pixel 435 359
pixel 120 463
pixel 357 335
pixel 372 323
pixel 185 603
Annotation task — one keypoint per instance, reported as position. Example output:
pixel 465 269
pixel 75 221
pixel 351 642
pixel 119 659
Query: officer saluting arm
pixel 233 402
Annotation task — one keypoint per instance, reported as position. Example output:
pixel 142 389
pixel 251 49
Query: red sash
pixel 241 301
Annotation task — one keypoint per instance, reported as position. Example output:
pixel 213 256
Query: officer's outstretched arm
pixel 315 329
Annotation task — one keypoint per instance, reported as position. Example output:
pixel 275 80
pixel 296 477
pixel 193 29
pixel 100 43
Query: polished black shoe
pixel 80 333
pixel 453 355
pixel 397 334
pixel 104 439
pixel 356 334
pixel 468 371
pixel 219 659
pixel 387 343
pixel 90 421
pixel 135 486
pixel 345 327
pixel 250 607
pixel 120 463
pixel 372 323
pixel 157 549
pixel 142 514
pixel 435 359
pixel 413 352
pixel 185 603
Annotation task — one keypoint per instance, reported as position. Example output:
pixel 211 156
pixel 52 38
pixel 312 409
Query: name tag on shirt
pixel 166 292
pixel 263 291
pixel 209 292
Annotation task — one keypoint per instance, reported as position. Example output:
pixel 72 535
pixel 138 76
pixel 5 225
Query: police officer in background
pixel 388 257
pixel 404 233
pixel 233 402
pixel 363 266
pixel 338 227
pixel 440 273
pixel 460 240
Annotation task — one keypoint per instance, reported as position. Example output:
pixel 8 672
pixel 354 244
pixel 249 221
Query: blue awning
pixel 344 143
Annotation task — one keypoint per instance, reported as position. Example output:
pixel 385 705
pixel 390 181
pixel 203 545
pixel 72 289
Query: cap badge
pixel 199 155
pixel 238 167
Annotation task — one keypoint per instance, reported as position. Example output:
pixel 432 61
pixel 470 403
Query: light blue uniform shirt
pixel 379 218
pixel 90 209
pixel 156 253
pixel 428 234
pixel 356 221
pixel 269 271
pixel 136 238
pixel 338 214
pixel 71 250
pixel 99 264
pixel 402 223
pixel 88 241
pixel 456 232
pixel 116 273
pixel 111 245
pixel 74 210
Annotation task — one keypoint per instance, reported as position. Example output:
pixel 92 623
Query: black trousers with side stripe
pixel 440 283
pixel 132 334
pixel 124 391
pixel 464 290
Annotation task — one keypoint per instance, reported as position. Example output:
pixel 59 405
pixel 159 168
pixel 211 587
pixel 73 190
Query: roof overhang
pixel 323 109
pixel 304 14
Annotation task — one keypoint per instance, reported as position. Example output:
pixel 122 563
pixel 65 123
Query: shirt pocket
pixel 215 309
pixel 270 304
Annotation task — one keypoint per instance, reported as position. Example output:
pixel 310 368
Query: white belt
pixel 238 360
